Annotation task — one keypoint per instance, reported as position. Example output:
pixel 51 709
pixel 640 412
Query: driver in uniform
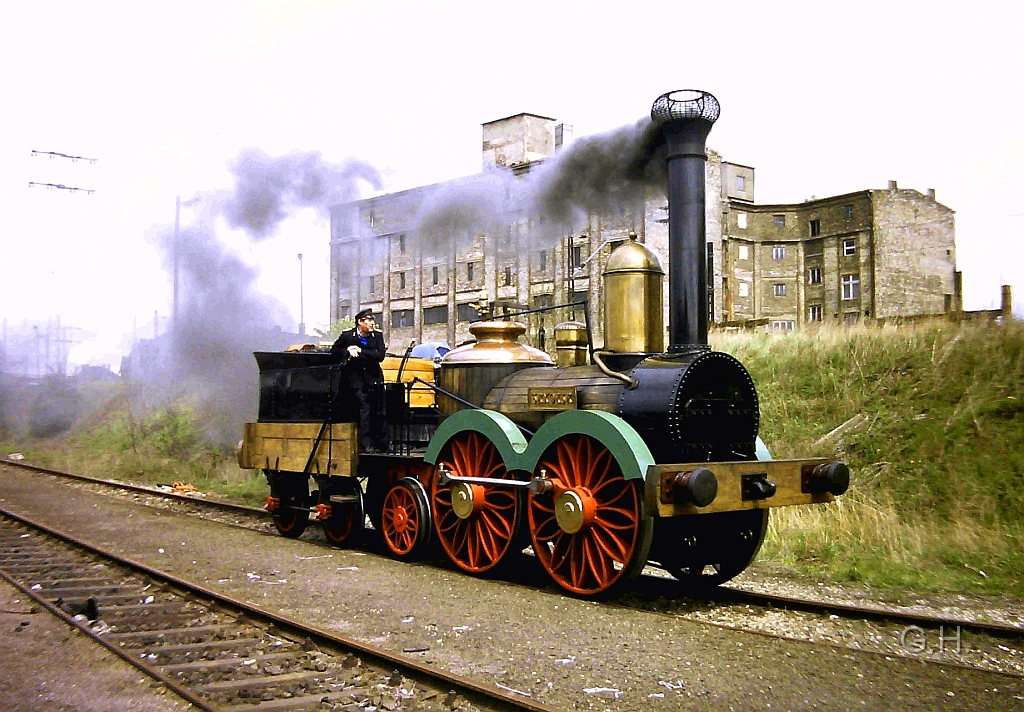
pixel 361 351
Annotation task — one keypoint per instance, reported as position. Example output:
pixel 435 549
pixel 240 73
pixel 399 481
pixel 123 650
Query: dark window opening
pixel 435 275
pixel 401 280
pixel 401 243
pixel 470 271
pixel 779 220
pixel 402 318
pixel 435 315
pixel 815 227
pixel 848 211
pixel 508 276
pixel 466 312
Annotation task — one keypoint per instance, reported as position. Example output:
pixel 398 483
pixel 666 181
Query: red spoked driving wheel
pixel 590 532
pixel 476 524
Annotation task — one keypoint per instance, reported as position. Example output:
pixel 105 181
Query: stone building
pixel 874 253
pixel 864 255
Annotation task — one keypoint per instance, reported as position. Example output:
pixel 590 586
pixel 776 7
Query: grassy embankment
pixel 937 470
pixel 937 493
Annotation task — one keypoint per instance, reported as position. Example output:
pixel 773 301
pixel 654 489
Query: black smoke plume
pixel 608 174
pixel 268 190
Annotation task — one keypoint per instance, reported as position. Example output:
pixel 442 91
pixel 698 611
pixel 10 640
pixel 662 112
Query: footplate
pixel 705 487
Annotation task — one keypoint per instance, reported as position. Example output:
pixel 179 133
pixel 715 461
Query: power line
pixel 54 154
pixel 32 184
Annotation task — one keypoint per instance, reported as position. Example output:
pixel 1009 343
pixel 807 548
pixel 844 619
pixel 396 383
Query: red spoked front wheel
pixel 477 525
pixel 405 519
pixel 590 532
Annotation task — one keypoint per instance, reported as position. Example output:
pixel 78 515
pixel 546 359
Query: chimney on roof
pixel 931 194
pixel 518 140
pixel 892 185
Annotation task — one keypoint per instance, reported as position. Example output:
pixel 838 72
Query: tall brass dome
pixel 633 318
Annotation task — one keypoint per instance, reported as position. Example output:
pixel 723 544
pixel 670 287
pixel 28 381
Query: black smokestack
pixel 685 118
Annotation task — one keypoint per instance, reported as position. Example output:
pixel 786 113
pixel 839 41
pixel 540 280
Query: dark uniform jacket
pixel 364 370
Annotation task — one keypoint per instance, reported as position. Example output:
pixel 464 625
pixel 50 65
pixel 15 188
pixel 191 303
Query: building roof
pixel 521 113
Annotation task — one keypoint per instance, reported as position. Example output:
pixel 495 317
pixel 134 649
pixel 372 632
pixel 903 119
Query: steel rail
pixel 476 691
pixel 229 506
pixel 728 593
pixel 167 681
pixel 732 594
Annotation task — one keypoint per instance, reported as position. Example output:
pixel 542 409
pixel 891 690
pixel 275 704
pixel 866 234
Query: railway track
pixel 728 594
pixel 217 652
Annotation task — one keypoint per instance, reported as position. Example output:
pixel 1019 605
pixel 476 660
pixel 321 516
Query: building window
pixel 815 227
pixel 435 275
pixel 780 289
pixel 402 318
pixel 814 275
pixel 466 312
pixel 401 280
pixel 577 255
pixel 779 252
pixel 780 220
pixel 741 183
pixel 849 247
pixel 508 276
pixel 741 220
pixel 371 284
pixel 470 271
pixel 782 325
pixel 435 315
pixel 851 319
pixel 848 211
pixel 851 286
pixel 744 252
pixel 814 312
pixel 579 298
pixel 543 300
pixel 543 260
pixel 401 243
pixel 371 219
pixel 744 289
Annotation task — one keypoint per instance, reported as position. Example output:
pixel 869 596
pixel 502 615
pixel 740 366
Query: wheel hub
pixel 401 520
pixel 574 510
pixel 463 499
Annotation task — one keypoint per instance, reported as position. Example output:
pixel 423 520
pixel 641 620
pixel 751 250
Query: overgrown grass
pixel 120 438
pixel 937 488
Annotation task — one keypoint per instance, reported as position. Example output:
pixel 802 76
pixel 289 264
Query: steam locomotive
pixel 601 462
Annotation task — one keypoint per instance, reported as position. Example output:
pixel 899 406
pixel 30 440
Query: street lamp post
pixel 302 313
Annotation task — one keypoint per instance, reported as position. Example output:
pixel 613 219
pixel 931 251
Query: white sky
pixel 821 98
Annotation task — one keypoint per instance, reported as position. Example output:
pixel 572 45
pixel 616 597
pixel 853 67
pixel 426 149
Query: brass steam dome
pixel 633 317
pixel 496 342
pixel 633 257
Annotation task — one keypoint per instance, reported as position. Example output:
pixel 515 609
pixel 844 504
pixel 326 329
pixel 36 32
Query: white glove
pixel 354 350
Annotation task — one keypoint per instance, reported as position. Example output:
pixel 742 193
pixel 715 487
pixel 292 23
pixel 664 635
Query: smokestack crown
pixel 685 104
